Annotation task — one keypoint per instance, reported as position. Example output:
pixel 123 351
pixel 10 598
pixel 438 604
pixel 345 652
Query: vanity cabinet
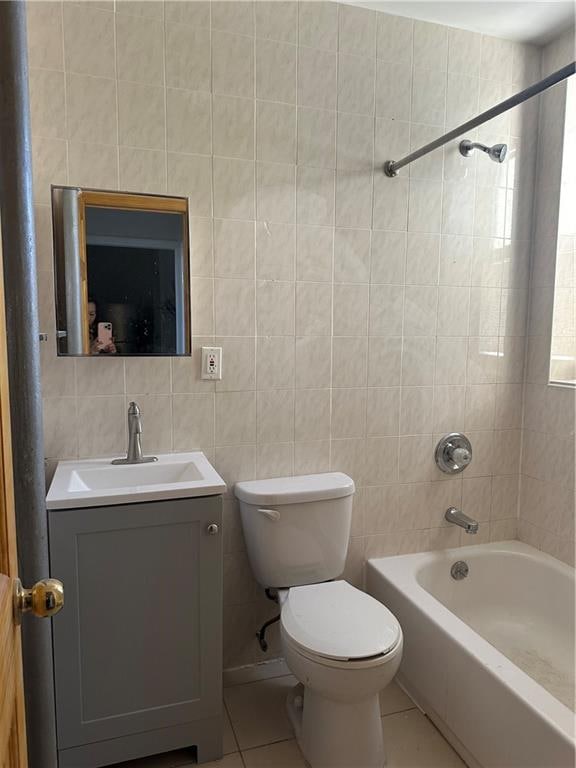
pixel 138 645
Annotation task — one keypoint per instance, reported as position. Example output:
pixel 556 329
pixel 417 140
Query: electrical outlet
pixel 212 363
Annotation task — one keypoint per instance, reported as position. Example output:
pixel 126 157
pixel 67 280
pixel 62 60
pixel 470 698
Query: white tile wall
pixel 547 500
pixel 360 316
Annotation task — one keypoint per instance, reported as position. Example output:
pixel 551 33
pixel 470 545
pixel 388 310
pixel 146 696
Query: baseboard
pixel 251 673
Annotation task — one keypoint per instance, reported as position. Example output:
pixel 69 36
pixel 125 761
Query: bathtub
pixel 489 658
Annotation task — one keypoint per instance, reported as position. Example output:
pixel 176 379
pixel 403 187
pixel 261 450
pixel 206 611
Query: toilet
pixel 340 643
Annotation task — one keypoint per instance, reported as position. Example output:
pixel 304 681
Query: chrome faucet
pixel 458 517
pixel 134 455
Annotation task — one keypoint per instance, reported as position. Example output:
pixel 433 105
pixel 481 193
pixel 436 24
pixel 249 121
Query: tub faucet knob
pixel 453 453
pixel 461 456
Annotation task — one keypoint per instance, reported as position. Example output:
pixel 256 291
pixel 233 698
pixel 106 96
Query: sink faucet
pixel 458 517
pixel 134 455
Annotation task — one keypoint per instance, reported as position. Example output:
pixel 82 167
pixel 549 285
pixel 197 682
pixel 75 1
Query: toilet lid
pixel 337 621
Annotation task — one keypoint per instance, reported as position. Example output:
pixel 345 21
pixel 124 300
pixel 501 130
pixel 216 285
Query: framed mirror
pixel 122 273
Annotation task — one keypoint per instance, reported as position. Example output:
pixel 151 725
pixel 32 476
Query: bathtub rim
pixel 400 571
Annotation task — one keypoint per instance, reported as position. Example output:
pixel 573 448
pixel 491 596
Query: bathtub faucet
pixel 458 517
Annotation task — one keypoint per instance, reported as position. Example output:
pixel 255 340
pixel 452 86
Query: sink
pixel 97 482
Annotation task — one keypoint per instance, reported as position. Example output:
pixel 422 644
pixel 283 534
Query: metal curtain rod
pixel 391 167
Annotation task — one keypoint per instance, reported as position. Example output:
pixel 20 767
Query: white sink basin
pixel 97 482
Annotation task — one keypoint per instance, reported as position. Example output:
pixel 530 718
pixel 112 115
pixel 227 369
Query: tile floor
pixel 257 733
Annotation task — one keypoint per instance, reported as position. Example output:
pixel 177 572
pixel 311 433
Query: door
pixel 12 726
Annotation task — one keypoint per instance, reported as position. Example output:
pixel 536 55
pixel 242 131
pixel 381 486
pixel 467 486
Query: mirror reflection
pixel 121 273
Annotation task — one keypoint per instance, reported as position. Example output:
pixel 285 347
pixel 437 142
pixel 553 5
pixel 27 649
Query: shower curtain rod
pixel 391 167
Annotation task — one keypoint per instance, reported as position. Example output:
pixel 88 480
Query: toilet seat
pixel 335 621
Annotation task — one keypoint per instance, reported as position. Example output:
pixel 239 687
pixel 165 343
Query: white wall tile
pixel 386 310
pixel 233 127
pixel 188 57
pixel 313 309
pixel 357 30
pixel 430 45
pixel 45 36
pixel 275 132
pixel 234 306
pixel 91 107
pixel 314 250
pixel 233 188
pixel 141 115
pixel 274 308
pixel 352 256
pixel 315 194
pixel 350 310
pixel 316 137
pixel 301 104
pixel 429 96
pixel 356 84
pixel 234 248
pixel 393 90
pixel 395 38
pixel 275 188
pixel 140 49
pixel 191 176
pixel 142 169
pixel 316 78
pixel 88 40
pixel 188 122
pixel 276 71
pixel 232 64
pixel 275 251
pixel 349 361
pixel 277 20
pixel 318 25
pixel 235 418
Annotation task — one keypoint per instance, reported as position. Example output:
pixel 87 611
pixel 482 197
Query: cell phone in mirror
pixel 104 335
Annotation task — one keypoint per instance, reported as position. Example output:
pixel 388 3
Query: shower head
pixel 496 153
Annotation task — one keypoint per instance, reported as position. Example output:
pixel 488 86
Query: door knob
pixel 44 599
pixel 212 529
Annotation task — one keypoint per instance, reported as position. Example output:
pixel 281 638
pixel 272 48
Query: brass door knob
pixel 44 599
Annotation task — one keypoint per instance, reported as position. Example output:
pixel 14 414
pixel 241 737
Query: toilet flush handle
pixel 271 514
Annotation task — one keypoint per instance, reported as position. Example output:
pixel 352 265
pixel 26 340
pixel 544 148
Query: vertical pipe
pixel 18 247
pixel 73 272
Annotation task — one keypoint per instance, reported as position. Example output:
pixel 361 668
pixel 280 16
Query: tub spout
pixel 458 517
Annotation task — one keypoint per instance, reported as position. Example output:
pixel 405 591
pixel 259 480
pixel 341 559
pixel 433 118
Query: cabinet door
pixel 138 645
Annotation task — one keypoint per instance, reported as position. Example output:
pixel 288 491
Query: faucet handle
pixel 461 456
pixel 453 453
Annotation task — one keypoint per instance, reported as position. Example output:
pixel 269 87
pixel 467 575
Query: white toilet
pixel 342 644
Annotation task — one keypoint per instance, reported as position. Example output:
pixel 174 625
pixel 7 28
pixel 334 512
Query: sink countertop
pixel 98 483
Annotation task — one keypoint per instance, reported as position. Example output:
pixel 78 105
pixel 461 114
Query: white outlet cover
pixel 211 363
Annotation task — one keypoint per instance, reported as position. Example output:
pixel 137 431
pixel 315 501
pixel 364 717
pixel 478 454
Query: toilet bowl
pixel 340 643
pixel 344 647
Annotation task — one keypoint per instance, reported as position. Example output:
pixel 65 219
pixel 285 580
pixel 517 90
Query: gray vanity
pixel 138 645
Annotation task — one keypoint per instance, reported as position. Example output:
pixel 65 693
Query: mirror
pixel 121 273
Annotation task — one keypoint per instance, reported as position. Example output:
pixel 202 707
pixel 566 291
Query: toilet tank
pixel 296 528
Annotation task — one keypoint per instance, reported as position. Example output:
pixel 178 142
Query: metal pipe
pixel 391 167
pixel 18 248
pixel 72 262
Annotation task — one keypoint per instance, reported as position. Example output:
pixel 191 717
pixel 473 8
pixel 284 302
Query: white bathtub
pixel 489 658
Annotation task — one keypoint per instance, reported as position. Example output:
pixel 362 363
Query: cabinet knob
pixel 44 599
pixel 212 529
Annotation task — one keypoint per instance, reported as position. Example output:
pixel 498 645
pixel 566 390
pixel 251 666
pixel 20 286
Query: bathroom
pixel 329 320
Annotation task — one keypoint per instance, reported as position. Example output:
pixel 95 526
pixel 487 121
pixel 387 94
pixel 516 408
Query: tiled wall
pixel 361 317
pixel 563 351
pixel 546 510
